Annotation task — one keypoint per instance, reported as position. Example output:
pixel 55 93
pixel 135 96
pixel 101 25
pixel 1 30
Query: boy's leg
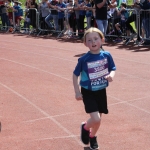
pixel 93 123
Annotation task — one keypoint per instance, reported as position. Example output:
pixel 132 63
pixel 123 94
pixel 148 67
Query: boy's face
pixel 93 42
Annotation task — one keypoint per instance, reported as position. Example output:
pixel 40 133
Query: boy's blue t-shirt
pixel 92 68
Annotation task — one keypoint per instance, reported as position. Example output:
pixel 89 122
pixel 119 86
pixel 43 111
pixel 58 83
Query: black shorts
pixel 95 100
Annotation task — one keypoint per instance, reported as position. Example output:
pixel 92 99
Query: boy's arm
pixel 78 94
pixel 110 76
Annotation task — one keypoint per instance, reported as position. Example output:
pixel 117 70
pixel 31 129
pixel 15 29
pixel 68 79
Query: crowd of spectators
pixel 57 15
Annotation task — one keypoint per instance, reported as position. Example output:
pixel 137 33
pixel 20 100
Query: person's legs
pixel 6 19
pixel 92 126
pixel 128 25
pixel 95 103
pixel 100 25
pixel 47 20
pixel 25 24
pixel 55 18
pixel 88 22
pixel 78 25
pixel 93 123
pixel 105 25
pixel 74 26
pixel 81 19
pixel 132 18
pixel 62 24
pixel 146 25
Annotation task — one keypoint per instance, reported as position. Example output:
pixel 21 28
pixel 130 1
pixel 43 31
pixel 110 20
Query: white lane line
pixel 36 69
pixel 44 118
pixel 61 137
pixel 128 103
pixel 61 77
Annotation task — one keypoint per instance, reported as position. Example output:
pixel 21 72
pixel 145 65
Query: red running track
pixel 38 110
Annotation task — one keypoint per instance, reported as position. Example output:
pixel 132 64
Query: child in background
pixel 26 21
pixel 17 10
pixel 96 68
pixel 124 16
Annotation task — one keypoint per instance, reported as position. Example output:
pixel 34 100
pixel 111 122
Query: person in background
pixel 88 8
pixel 122 24
pixel 146 20
pixel 26 21
pixel 82 13
pixel 53 15
pixel 76 9
pixel 101 14
pixel 71 19
pixel 112 17
pixel 61 8
pixel 4 15
pixel 133 18
pixel 93 22
pixel 33 7
pixel 18 12
pixel 44 10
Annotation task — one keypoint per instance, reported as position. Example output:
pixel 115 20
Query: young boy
pixel 96 68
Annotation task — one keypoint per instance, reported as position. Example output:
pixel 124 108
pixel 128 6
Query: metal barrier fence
pixel 126 28
pixel 145 19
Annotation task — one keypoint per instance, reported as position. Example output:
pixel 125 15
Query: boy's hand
pixel 78 96
pixel 109 78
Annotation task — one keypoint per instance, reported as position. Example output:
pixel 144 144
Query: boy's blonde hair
pixel 90 30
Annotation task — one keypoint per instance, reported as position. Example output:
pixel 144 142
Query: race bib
pixel 98 69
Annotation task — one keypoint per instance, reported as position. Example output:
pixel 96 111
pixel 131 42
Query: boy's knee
pixel 96 120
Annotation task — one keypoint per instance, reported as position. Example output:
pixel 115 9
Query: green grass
pixel 24 1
